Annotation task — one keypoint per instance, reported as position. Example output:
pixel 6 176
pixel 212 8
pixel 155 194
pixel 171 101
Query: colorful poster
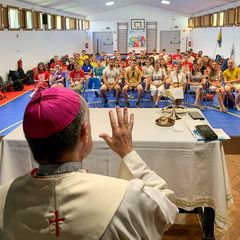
pixel 137 39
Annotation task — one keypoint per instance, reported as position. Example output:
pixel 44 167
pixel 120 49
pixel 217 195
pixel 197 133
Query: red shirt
pixel 42 76
pixel 52 65
pixel 177 57
pixel 187 65
pixel 76 74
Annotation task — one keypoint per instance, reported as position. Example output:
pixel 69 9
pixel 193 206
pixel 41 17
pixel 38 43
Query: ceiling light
pixel 165 2
pixel 109 3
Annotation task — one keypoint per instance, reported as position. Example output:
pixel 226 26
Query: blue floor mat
pixel 12 113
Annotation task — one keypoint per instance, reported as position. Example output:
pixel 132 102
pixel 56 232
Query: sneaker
pixel 96 94
pixel 138 105
pixel 32 94
pixel 105 104
pixel 127 104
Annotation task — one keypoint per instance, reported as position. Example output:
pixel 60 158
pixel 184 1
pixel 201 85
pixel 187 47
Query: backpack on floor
pixel 17 86
pixel 13 76
pixel 29 77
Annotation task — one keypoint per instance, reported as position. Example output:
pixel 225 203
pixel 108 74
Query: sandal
pixel 201 107
pixel 195 104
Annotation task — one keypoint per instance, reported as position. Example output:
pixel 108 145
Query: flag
pixel 219 39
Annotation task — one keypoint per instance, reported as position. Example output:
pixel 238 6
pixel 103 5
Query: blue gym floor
pixel 11 114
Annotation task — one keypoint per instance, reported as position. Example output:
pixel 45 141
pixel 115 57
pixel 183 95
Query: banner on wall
pixel 137 39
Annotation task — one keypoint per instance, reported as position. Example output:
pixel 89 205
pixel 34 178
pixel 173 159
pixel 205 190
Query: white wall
pixel 166 20
pixel 35 46
pixel 205 39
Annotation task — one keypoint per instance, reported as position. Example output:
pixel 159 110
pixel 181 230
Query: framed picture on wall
pixel 137 24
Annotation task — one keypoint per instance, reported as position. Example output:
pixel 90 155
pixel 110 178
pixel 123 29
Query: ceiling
pixel 92 7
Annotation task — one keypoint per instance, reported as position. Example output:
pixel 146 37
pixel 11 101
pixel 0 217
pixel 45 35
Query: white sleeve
pixel 145 213
pixel 132 166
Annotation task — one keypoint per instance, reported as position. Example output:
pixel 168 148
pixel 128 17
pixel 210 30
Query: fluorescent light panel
pixel 165 2
pixel 109 3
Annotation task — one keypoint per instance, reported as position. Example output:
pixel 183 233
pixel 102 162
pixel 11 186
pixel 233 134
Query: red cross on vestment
pixel 56 221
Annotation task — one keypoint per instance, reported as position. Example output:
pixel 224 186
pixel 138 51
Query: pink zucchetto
pixel 49 112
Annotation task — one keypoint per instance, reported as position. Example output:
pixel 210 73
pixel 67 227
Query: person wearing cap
pixel 60 200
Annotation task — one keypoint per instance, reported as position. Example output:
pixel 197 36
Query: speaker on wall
pixel 44 18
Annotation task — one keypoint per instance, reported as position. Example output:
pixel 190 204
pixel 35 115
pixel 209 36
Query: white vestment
pixel 87 206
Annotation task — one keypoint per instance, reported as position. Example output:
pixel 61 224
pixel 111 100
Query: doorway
pixel 102 42
pixel 170 40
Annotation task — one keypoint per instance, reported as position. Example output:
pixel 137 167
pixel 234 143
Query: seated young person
pixel 155 55
pixel 157 84
pixel 186 65
pixel 232 82
pixel 133 81
pixel 93 61
pixel 147 74
pixel 215 79
pixel 169 64
pixel 110 82
pixel 41 78
pixel 177 79
pixel 88 70
pixel 195 80
pixel 76 77
pixel 98 70
pixel 57 77
pixel 177 56
pixel 71 64
pixel 56 62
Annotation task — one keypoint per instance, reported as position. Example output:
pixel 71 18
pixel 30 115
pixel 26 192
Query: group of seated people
pixel 144 72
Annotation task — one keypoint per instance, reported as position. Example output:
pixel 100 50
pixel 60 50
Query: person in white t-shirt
pixel 147 71
pixel 157 84
pixel 110 82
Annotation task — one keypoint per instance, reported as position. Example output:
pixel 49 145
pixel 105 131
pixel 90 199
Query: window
pixel 37 21
pixel 206 20
pixel 86 24
pixel 58 23
pixel 13 18
pixel 197 21
pixel 72 23
pixel 1 17
pixel 28 17
pixel 221 19
pixel 230 17
pixel 67 23
pixel 49 21
pixel 190 23
pixel 122 36
pixel 63 23
pixel 214 19
pixel 151 36
pixel 80 24
pixel 238 16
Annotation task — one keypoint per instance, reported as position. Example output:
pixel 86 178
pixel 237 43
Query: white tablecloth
pixel 195 171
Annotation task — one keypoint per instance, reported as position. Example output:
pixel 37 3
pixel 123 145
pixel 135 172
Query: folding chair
pixel 92 90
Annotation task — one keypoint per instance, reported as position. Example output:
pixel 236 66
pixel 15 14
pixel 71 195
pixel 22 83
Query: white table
pixel 195 171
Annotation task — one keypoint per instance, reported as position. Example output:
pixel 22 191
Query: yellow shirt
pixel 231 75
pixel 94 64
pixel 133 75
pixel 81 60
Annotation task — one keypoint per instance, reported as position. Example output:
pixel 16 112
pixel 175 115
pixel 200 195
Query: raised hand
pixel 121 140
